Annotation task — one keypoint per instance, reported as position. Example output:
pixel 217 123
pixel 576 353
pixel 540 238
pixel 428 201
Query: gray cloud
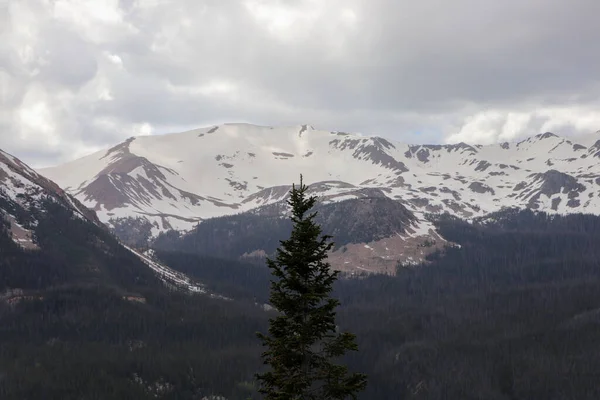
pixel 71 62
pixel 80 75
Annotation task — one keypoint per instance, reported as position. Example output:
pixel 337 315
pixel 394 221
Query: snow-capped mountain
pixel 23 188
pixel 177 180
pixel 152 184
pixel 30 207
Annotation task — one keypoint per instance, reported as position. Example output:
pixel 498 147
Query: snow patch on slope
pixel 233 168
pixel 168 275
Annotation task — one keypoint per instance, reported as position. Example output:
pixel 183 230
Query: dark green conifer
pixel 303 343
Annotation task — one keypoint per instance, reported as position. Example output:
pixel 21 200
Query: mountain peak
pixel 546 135
pixel 38 216
pixel 175 181
pixel 23 197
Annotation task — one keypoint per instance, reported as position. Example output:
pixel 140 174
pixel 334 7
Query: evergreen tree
pixel 303 340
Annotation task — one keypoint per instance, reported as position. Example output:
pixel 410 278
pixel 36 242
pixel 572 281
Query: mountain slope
pixel 83 316
pixel 521 293
pixel 513 313
pixel 153 184
pixel 176 180
pixel 48 238
pixel 371 234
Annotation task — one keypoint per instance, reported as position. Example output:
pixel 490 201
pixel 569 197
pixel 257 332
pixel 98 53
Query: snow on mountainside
pixel 152 184
pixel 22 188
pixel 177 180
pixel 23 196
pixel 19 183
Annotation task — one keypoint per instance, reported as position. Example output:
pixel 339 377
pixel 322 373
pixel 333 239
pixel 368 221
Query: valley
pixel 499 302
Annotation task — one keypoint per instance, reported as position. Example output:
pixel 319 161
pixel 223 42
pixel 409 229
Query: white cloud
pixel 582 119
pixel 494 126
pixel 85 74
pixel 98 21
pixel 115 59
pixel 143 129
pixel 491 126
pixel 284 21
pixel 36 119
pixel 215 87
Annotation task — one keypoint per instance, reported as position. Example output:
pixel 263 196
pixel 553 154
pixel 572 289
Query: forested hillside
pixel 257 234
pixel 84 318
pixel 514 313
pixel 67 250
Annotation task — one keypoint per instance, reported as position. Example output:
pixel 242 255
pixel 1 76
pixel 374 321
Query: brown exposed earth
pixel 377 257
pixel 383 256
pixel 20 235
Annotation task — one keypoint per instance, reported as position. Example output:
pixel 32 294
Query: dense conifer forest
pixel 513 313
pixel 241 234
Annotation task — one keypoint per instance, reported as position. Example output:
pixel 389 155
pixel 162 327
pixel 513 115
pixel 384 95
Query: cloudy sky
pixel 80 75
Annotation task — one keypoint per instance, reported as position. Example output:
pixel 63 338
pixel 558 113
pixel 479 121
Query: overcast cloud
pixel 79 75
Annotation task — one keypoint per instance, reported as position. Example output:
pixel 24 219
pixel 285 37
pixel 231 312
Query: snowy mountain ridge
pixel 176 180
pixel 21 184
pixel 23 196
